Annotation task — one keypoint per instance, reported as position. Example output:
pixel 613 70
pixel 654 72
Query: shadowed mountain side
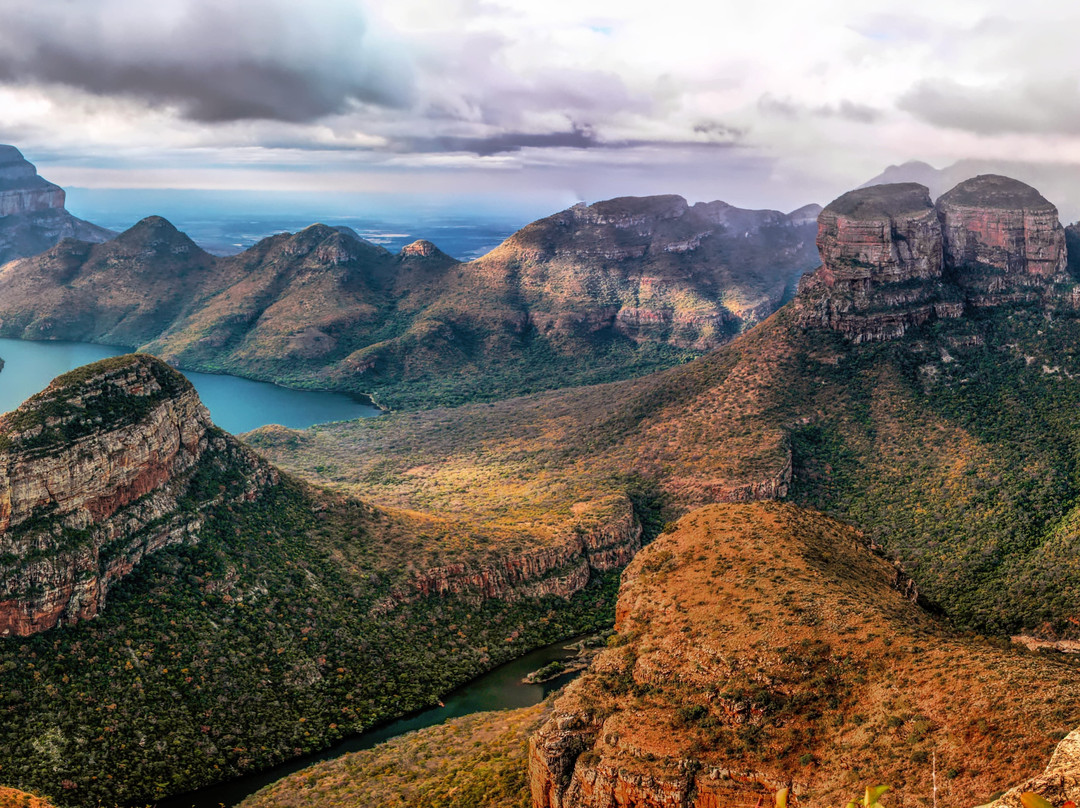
pixel 591 294
pixel 762 646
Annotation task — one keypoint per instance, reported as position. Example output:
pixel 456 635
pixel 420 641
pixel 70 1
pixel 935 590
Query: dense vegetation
pixel 960 453
pixel 256 645
pixel 480 761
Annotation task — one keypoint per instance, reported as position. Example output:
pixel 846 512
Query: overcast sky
pixel 759 103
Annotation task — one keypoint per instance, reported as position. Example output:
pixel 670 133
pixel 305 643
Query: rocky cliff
pixel 892 260
pixel 762 646
pixel 32 213
pixel 1003 241
pixel 605 537
pixel 107 465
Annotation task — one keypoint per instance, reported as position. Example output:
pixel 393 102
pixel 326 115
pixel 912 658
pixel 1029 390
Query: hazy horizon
pixel 763 106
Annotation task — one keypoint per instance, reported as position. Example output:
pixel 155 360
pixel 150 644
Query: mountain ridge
pixel 634 284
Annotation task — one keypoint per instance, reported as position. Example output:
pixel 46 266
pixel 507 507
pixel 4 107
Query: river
pixel 236 405
pixel 500 689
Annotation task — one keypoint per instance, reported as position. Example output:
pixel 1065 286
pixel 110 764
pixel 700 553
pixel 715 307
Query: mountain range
pixel 180 606
pixel 594 293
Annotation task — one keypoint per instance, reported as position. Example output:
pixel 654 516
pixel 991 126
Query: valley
pixel 182 607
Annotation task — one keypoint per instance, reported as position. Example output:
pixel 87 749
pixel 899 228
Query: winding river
pixel 239 405
pixel 236 405
pixel 499 689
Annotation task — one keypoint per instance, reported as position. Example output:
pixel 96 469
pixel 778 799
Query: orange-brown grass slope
pixel 479 761
pixel 13 798
pixel 763 645
pixel 699 433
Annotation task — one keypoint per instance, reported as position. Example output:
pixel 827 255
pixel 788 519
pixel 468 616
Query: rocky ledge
pixel 892 260
pixel 109 464
pixel 605 537
pixel 763 645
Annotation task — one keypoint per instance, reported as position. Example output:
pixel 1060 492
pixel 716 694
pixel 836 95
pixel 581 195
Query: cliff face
pixel 762 646
pixel 96 472
pixel 1003 240
pixel 606 537
pixel 881 273
pixel 892 260
pixel 22 191
pixel 32 213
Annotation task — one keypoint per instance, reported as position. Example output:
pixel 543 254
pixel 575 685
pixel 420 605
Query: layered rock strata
pixel 32 213
pixel 98 471
pixel 892 260
pixel 605 538
pixel 1003 241
pixel 881 273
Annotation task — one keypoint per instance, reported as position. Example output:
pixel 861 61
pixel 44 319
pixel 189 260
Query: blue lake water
pixel 236 405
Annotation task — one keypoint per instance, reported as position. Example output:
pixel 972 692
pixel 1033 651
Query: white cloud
pixel 797 98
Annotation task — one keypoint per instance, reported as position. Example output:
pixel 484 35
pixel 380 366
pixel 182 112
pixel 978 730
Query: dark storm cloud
pixel 212 61
pixel 578 137
pixel 845 110
pixel 1042 107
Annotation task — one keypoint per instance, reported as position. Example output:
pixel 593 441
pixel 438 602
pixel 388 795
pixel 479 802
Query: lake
pixel 235 404
pixel 500 689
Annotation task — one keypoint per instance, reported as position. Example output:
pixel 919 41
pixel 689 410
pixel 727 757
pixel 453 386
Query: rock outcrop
pixel 881 265
pixel 1003 241
pixel 107 465
pixel 891 260
pixel 1058 783
pixel 606 537
pixel 761 646
pixel 32 213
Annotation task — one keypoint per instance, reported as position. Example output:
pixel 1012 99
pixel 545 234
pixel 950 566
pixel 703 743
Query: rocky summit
pixel 106 466
pixel 32 213
pixel 892 259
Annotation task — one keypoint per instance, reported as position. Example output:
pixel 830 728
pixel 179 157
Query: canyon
pixel 914 406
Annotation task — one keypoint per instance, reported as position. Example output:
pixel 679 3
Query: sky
pixel 761 104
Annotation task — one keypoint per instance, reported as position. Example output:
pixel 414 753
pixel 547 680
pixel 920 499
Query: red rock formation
pixel 606 538
pixel 881 254
pixel 890 262
pixel 1003 240
pixel 91 474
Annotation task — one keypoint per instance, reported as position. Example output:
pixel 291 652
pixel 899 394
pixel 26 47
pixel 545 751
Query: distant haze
pixel 764 105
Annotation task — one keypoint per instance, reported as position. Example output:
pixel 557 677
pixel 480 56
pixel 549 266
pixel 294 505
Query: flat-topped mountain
pixel 892 259
pixel 594 293
pixel 32 213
